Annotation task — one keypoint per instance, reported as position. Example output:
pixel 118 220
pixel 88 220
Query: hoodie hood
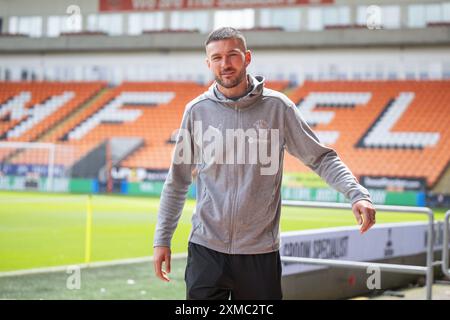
pixel 257 84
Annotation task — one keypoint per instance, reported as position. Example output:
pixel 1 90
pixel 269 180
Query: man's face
pixel 228 60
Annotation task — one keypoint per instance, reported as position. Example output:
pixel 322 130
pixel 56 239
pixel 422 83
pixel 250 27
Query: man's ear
pixel 248 57
pixel 207 63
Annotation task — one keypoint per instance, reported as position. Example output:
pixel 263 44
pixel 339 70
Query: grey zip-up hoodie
pixel 239 199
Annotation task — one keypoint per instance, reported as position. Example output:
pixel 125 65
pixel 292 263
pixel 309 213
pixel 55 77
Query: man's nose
pixel 225 62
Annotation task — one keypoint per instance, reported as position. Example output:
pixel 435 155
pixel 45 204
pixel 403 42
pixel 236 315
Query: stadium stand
pixel 25 105
pixel 407 144
pixel 157 120
pixel 29 110
pixel 379 128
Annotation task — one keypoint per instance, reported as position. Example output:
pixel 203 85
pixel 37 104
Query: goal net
pixel 35 166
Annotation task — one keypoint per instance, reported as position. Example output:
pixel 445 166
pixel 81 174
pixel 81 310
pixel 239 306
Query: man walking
pixel 234 136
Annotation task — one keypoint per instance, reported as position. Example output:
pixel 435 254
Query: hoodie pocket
pixel 259 210
pixel 209 208
pixel 195 228
pixel 212 223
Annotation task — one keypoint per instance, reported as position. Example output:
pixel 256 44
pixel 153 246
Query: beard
pixel 233 82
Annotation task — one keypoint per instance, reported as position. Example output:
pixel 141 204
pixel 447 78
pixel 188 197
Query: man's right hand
pixel 160 255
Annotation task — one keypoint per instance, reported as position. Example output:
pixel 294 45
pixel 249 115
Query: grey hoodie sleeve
pixel 176 186
pixel 301 142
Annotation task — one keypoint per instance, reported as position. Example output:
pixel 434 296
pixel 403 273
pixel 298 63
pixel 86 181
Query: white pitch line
pixel 98 264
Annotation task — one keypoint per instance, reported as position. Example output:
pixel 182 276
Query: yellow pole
pixel 87 251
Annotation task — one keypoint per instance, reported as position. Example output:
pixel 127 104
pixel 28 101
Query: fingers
pixel 357 215
pixel 160 273
pixel 167 262
pixel 162 255
pixel 366 222
pixel 368 219
pixel 158 268
pixel 365 215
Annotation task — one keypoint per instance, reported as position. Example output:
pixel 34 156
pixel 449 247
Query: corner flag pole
pixel 87 250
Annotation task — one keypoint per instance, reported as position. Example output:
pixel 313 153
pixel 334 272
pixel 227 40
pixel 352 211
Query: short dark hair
pixel 226 33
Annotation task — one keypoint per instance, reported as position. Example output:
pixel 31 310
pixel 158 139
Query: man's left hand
pixel 364 213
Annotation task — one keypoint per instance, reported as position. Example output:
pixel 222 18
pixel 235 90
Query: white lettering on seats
pixel 324 117
pixel 380 135
pixel 111 111
pixel 34 115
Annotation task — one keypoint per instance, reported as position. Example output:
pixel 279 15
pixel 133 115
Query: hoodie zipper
pixel 233 208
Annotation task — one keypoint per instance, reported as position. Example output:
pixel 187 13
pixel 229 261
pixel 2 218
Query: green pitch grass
pixel 133 282
pixel 41 230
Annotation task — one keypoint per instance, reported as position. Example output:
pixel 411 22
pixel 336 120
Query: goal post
pixel 28 160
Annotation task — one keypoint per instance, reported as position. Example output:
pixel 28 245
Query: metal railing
pixel 445 248
pixel 427 271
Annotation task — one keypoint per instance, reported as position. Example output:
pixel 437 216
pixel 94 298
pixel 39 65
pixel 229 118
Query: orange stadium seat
pixel 155 125
pixel 429 111
pixel 39 93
